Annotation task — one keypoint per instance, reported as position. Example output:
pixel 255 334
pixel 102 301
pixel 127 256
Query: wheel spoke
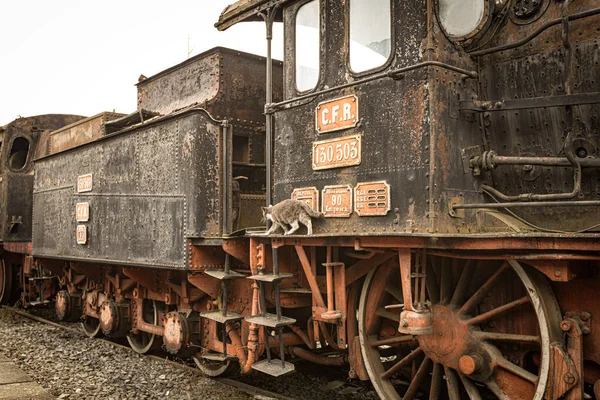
pixel 505 337
pixel 391 341
pixel 463 283
pixel 432 284
pixel 437 378
pixel 396 292
pixel 382 312
pixel 516 370
pixel 416 382
pixel 446 281
pixel 401 364
pixel 452 383
pixel 496 312
pixel 493 386
pixel 482 291
pixel 470 388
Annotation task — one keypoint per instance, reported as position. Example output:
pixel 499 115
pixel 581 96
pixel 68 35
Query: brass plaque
pixel 309 195
pixel 81 234
pixel 372 198
pixel 84 183
pixel 337 114
pixel 82 212
pixel 337 201
pixel 337 153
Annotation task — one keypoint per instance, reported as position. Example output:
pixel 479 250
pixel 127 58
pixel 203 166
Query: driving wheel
pixel 492 328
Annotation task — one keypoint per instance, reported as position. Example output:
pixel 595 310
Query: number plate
pixel 336 114
pixel 337 201
pixel 372 198
pixel 337 153
pixel 81 234
pixel 309 195
pixel 82 212
pixel 84 183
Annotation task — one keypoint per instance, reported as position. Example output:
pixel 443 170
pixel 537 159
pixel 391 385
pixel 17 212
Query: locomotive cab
pixel 459 138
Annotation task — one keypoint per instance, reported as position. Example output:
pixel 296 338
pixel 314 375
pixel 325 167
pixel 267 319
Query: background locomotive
pixel 452 148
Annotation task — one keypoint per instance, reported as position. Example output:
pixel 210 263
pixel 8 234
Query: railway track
pixel 237 384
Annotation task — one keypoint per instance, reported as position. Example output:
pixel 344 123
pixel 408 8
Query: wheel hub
pixel 453 345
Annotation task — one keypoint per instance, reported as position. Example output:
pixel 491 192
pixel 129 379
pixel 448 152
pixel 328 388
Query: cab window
pixel 307 46
pixel 370 34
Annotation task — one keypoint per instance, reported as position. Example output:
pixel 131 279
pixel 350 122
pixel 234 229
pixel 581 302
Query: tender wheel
pixel 7 283
pixel 216 369
pixel 143 342
pixel 91 326
pixel 492 329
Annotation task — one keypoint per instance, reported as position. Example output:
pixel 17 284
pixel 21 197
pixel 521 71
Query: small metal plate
pixel 84 183
pixel 337 201
pixel 82 212
pixel 336 114
pixel 273 367
pixel 372 198
pixel 337 153
pixel 81 234
pixel 309 195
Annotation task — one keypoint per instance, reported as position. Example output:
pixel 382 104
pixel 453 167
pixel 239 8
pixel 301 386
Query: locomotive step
pixel 39 303
pixel 217 315
pixel 271 277
pixel 218 357
pixel 270 320
pixel 41 278
pixel 296 290
pixel 273 367
pixel 334 264
pixel 222 275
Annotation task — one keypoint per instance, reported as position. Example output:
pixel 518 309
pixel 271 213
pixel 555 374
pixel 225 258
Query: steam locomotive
pixel 451 146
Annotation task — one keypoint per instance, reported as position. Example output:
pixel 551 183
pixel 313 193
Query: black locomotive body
pixel 161 176
pixel 451 146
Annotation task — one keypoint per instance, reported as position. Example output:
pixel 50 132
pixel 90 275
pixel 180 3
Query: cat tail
pixel 310 211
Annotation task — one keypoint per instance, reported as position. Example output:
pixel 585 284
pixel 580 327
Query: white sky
pixel 84 57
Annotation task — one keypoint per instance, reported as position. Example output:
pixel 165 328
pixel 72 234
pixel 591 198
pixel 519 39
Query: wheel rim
pixel 91 326
pixel 472 345
pixel 142 342
pixel 213 369
pixel 2 282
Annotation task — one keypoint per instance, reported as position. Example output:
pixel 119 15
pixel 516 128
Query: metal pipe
pixel 394 74
pixel 303 335
pixel 544 161
pixel 582 203
pixel 225 179
pixel 535 34
pixel 318 358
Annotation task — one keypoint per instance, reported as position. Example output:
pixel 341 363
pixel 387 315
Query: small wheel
pixel 215 369
pixel 492 330
pixel 143 342
pixel 91 327
pixel 8 288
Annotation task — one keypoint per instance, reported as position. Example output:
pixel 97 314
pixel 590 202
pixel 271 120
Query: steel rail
pixel 244 387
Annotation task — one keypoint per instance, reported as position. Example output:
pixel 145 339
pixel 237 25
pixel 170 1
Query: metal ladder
pixel 275 321
pixel 222 316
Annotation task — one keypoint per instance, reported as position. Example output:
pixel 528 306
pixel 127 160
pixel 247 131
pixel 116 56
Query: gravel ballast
pixel 72 366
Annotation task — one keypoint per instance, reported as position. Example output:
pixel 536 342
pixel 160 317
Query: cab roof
pixel 247 10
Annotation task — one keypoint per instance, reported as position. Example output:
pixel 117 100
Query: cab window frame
pixel 392 54
pixel 295 11
pixel 26 164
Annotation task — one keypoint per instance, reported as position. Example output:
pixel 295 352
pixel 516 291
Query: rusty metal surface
pixel 139 211
pixel 16 183
pixel 81 132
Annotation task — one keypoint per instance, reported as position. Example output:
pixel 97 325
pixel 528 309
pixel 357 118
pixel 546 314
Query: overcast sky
pixel 84 57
